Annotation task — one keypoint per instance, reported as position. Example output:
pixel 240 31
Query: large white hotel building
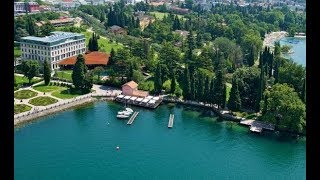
pixel 54 48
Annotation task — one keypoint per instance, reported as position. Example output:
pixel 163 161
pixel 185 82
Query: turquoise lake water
pixel 299 55
pixel 81 144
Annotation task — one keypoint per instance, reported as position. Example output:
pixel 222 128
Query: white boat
pixel 121 116
pixel 129 110
pixel 127 113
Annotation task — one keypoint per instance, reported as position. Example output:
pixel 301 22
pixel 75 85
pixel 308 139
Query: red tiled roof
pixel 140 93
pixel 131 84
pixel 92 58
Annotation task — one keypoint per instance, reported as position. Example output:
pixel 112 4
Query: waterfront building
pixel 56 47
pixel 131 89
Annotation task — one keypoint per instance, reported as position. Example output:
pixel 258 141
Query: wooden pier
pixel 171 118
pixel 257 126
pixel 132 118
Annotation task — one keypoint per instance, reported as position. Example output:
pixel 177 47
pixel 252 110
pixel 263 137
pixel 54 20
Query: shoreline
pixel 224 114
pixel 35 116
pixel 273 37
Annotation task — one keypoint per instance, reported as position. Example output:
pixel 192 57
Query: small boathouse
pixel 131 95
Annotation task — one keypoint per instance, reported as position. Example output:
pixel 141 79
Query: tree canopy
pixel 284 108
pixel 30 69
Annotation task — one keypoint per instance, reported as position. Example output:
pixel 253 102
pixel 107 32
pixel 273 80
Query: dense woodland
pixel 223 48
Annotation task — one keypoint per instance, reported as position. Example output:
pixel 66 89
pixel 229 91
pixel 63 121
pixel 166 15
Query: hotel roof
pixel 92 58
pixel 56 36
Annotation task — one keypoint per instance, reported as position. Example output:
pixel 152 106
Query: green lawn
pixel 19 108
pixel 42 101
pixel 57 91
pixel 160 15
pixel 44 88
pixel 228 90
pixel 25 94
pixel 64 94
pixel 65 74
pixel 21 80
pixel 103 42
pixel 17 52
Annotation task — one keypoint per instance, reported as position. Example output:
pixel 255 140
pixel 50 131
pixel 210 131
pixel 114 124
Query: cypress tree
pixel 270 65
pixel 130 73
pixel 102 17
pixel 261 88
pixel 260 60
pixel 276 71
pixel 158 79
pixel 192 87
pixel 46 72
pixel 90 45
pixel 94 42
pixel 265 104
pixel 211 91
pixel 78 73
pixel 206 92
pixel 251 57
pixel 137 25
pixel 186 84
pixel 219 85
pixel 191 46
pixel 200 88
pixel 111 58
pixel 234 103
pixel 173 81
pixel 30 26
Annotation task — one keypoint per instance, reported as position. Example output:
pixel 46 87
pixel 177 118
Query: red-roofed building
pixel 131 89
pixel 92 59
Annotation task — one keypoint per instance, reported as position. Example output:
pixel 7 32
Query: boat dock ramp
pixel 132 118
pixel 170 123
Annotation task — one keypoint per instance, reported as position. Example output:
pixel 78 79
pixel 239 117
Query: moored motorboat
pixel 121 116
pixel 127 113
pixel 129 110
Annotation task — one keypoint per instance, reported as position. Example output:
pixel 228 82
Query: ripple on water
pixel 78 143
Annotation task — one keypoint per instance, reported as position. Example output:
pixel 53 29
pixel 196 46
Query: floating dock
pixel 132 118
pixel 147 102
pixel 257 126
pixel 171 118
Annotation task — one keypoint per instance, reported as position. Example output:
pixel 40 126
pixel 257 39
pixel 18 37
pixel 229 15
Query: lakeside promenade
pixel 110 94
pixel 62 104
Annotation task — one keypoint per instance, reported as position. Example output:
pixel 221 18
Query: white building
pixel 56 47
pixel 19 7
